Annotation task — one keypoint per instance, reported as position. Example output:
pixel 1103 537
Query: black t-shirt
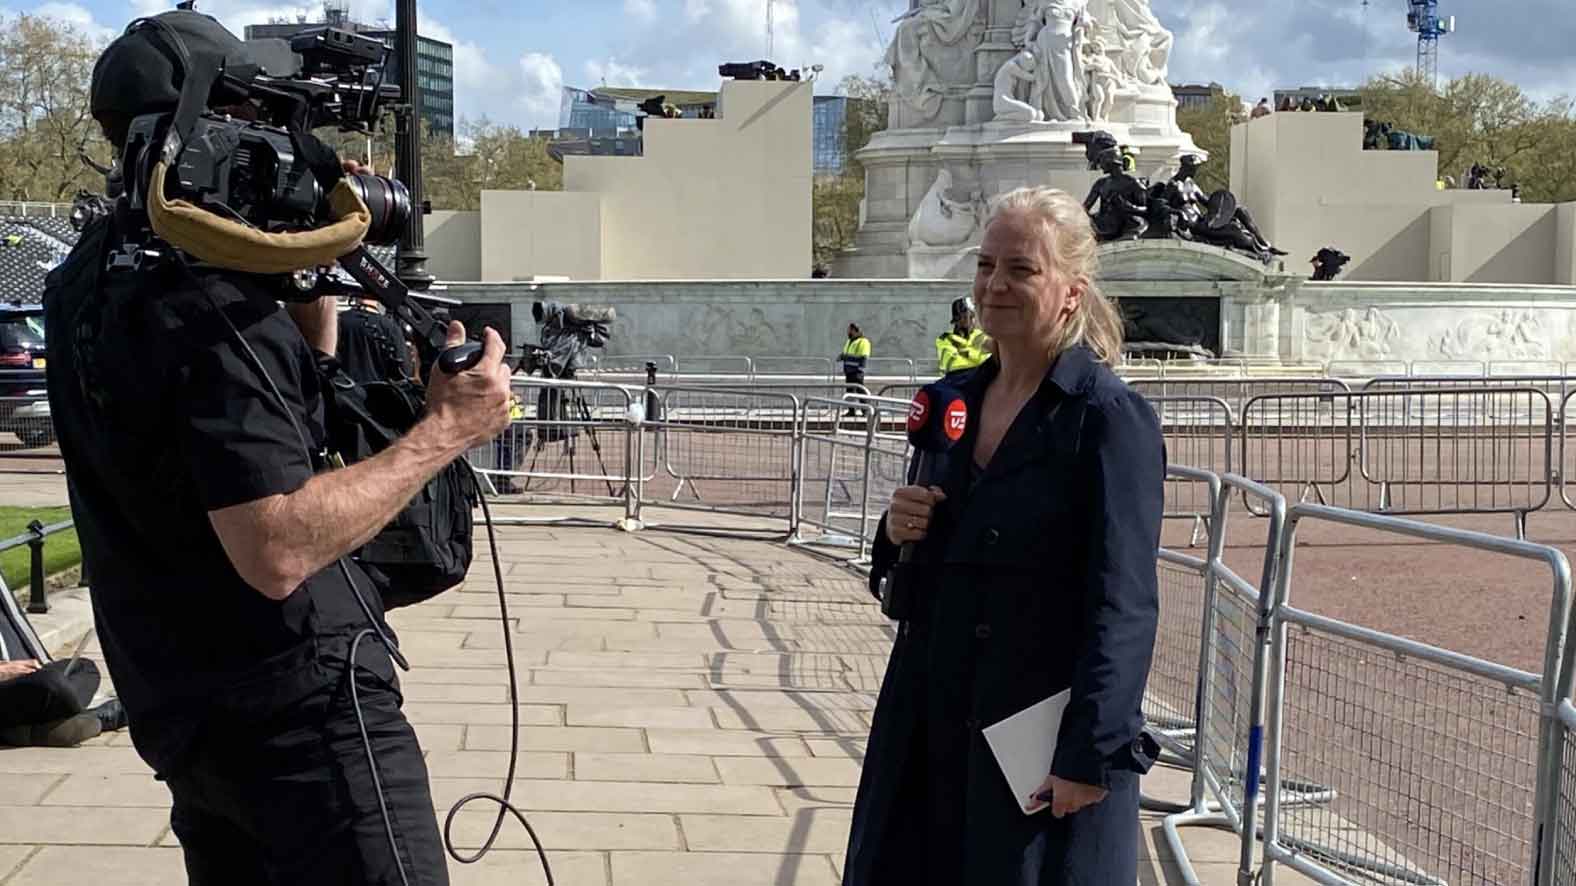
pixel 372 346
pixel 162 417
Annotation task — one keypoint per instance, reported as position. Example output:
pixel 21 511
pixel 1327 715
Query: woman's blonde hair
pixel 1096 323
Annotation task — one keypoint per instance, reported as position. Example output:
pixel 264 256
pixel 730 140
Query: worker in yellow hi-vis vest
pixel 856 354
pixel 962 346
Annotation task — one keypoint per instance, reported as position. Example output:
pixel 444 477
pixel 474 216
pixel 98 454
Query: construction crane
pixel 769 28
pixel 1422 17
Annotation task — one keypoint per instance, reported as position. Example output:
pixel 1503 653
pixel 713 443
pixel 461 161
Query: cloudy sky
pixel 513 55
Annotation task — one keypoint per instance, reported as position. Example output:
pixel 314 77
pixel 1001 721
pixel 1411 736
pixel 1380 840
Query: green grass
pixel 61 550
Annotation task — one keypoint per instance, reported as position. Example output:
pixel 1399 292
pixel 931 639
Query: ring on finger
pixel 912 525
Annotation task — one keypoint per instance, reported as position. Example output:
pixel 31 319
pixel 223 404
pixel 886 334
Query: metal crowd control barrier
pixel 1236 392
pixel 1171 697
pixel 725 450
pixel 1230 707
pixel 892 367
pixel 718 365
pixel 28 420
pixel 836 449
pixel 576 439
pixel 1558 841
pixel 1393 725
pixel 633 364
pixel 1198 432
pixel 815 367
pixel 1365 368
pixel 1481 450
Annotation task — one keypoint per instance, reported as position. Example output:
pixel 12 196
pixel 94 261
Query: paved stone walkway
pixel 693 711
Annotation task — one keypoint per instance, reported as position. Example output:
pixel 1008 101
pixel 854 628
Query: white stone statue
pixel 1105 78
pixel 1050 28
pixel 929 38
pixel 1013 81
pixel 1144 44
pixel 943 221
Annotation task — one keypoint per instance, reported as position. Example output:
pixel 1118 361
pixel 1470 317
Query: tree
pixel 45 120
pixel 1483 119
pixel 1210 126
pixel 835 199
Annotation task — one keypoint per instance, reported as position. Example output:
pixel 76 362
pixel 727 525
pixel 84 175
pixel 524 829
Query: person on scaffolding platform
pixel 962 346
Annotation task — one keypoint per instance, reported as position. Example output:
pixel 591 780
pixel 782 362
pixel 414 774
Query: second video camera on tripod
pixel 567 331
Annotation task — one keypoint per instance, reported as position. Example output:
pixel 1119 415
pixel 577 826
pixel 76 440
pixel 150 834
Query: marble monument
pixel 987 97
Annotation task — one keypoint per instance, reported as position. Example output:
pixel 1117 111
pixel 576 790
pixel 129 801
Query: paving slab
pixel 693 711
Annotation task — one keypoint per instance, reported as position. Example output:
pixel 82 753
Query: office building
pixel 603 122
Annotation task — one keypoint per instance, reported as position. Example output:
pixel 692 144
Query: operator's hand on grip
pixel 474 404
pixel 908 517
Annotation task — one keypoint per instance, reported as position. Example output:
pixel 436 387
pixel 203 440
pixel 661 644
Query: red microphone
pixel 937 419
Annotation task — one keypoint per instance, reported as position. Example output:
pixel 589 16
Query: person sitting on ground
pixel 962 346
pixel 46 705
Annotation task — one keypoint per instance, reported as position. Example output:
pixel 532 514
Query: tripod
pixel 552 404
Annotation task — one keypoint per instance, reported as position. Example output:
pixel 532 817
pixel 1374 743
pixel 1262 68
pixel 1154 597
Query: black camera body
pixel 251 170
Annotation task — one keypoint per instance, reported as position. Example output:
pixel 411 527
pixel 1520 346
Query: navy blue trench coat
pixel 1041 577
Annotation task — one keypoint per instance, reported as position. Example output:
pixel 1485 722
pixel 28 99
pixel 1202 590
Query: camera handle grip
pixel 460 357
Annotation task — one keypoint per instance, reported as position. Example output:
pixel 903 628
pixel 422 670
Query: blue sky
pixel 512 57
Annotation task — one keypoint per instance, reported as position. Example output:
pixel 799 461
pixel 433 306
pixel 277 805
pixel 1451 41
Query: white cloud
pixel 614 73
pixel 641 10
pixel 472 69
pixel 695 10
pixel 541 89
pixel 79 18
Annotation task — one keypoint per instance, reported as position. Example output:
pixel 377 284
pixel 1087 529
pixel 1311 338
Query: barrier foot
pixel 630 524
pixel 1205 817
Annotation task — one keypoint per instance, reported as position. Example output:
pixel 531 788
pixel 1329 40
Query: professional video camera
pixel 255 169
pixel 220 165
pixel 568 330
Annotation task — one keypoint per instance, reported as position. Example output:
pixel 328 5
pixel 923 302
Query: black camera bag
pixel 427 548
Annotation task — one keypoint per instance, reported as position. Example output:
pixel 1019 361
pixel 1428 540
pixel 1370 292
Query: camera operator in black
pixel 214 533
pixel 372 344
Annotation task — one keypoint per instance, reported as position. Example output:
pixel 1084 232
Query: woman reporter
pixel 1036 538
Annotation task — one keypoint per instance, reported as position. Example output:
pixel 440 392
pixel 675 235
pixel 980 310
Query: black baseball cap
pixel 141 72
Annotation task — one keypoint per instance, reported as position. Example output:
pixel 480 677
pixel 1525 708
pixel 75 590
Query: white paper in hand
pixel 1025 744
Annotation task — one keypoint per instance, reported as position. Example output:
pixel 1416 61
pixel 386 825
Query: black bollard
pixel 37 600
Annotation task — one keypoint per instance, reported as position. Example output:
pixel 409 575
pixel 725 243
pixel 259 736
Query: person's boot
pixel 111 715
pixel 67 733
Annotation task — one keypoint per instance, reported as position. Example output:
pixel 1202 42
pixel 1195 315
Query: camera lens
pixel 389 203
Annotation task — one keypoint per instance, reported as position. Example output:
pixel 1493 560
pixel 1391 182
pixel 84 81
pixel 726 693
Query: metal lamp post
pixel 411 262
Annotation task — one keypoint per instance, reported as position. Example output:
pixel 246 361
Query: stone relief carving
pixel 933 38
pixel 1348 335
pixel 892 334
pixel 1513 334
pixel 942 221
pixel 734 329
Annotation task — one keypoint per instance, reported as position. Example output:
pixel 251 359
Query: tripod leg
pixel 596 445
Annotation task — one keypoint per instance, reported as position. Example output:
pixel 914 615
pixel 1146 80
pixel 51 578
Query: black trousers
pixel 48 694
pixel 298 806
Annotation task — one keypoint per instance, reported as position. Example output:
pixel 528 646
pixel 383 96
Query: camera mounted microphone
pixel 937 420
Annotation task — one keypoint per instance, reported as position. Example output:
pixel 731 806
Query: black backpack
pixel 427 548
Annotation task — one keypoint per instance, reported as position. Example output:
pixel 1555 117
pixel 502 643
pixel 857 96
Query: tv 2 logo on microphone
pixel 957 420
pixel 918 412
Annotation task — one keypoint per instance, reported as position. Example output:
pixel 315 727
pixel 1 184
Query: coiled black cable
pixel 503 801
